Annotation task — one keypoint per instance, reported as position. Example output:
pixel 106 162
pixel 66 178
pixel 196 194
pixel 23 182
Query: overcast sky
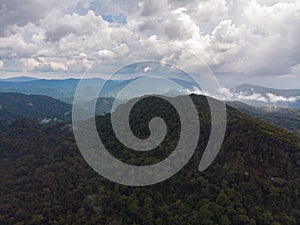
pixel 241 41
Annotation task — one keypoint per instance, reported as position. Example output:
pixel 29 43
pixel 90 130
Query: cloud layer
pixel 256 38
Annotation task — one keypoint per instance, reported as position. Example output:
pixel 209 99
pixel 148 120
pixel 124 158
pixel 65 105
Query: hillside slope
pixel 287 118
pixel 43 109
pixel 254 180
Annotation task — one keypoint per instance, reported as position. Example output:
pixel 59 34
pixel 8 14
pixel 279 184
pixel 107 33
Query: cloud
pixel 1 64
pixel 256 38
pixel 275 98
pixel 20 13
pixel 30 64
pixel 106 54
pixel 57 66
pixel 253 97
pixel 295 70
pixel 40 64
pixel 230 95
pixel 227 94
pixel 147 69
pixel 150 7
pixel 197 91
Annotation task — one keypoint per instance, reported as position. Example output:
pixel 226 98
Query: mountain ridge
pixel 19 79
pixel 287 118
pixel 254 179
pixel 262 96
pixel 42 109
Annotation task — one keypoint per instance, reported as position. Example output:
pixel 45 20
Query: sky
pixel 241 41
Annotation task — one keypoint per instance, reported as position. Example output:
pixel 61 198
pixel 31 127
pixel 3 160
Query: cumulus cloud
pixel 231 95
pixel 40 64
pixel 150 7
pixel 250 98
pixel 57 66
pixel 30 64
pixel 228 95
pixel 256 38
pixel 19 13
pixel 106 54
pixel 253 97
pixel 275 98
pixel 147 69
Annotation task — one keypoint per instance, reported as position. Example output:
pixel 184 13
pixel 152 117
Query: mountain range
pixel 19 79
pixel 254 179
pixel 262 96
pixel 42 109
pixel 65 90
pixel 287 118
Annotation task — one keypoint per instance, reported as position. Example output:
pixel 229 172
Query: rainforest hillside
pixel 254 180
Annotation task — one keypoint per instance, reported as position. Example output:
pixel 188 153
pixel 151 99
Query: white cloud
pixel 257 38
pixel 40 63
pixel 197 91
pixel 230 95
pixel 1 64
pixel 45 121
pixel 31 64
pixel 253 97
pixel 208 14
pixel 227 95
pixel 19 13
pixel 57 66
pixel 106 54
pixel 295 70
pixel 147 69
pixel 275 98
pixel 150 7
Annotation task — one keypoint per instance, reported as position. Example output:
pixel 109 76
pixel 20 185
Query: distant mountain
pixel 19 79
pixel 254 179
pixel 43 109
pixel 104 106
pixel 64 90
pixel 189 85
pixel 262 96
pixel 287 118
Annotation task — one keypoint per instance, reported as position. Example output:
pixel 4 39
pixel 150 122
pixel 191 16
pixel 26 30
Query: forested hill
pixel 287 118
pixel 43 109
pixel 254 180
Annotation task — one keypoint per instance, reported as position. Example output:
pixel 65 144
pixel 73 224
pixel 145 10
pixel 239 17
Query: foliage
pixel 14 106
pixel 287 118
pixel 254 180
